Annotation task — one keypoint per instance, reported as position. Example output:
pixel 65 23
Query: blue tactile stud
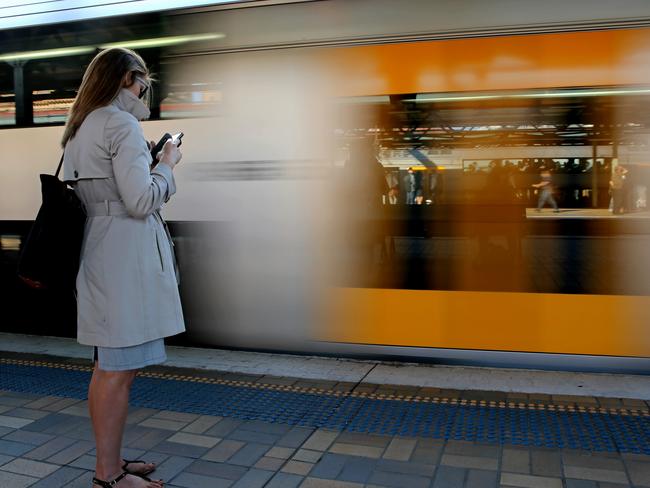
pixel 535 427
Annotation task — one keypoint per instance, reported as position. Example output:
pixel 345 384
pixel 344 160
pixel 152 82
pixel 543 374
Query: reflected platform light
pixel 134 44
pixel 46 53
pixel 163 41
pixel 429 97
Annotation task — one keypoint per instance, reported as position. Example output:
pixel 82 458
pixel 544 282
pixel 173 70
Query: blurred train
pixel 358 176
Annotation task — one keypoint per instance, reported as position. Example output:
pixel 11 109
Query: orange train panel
pixel 553 323
pixel 601 58
pixel 527 322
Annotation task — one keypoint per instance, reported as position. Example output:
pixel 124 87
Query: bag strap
pixel 58 169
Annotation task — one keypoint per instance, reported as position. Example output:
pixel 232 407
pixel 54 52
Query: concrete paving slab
pixel 512 380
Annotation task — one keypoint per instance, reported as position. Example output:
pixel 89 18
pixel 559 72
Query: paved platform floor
pixel 46 440
pixel 584 213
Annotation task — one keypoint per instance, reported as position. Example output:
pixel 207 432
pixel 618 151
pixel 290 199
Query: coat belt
pixel 105 209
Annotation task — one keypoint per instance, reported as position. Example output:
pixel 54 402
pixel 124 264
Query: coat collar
pixel 127 101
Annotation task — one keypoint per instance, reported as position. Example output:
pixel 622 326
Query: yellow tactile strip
pixel 373 396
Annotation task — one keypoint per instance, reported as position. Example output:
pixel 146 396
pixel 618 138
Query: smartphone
pixel 177 139
pixel 158 147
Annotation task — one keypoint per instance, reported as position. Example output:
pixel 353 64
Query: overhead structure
pixel 20 14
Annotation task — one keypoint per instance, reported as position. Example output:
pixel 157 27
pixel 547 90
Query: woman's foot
pixel 131 481
pixel 138 467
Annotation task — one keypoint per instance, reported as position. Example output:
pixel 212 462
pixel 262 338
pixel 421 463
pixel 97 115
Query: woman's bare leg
pixel 108 403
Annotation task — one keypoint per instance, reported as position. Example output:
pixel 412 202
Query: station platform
pixel 243 420
pixel 584 213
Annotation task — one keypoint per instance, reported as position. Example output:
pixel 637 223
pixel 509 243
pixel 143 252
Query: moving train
pixel 358 176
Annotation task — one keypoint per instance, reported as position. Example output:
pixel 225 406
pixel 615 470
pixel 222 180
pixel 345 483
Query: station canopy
pixel 562 117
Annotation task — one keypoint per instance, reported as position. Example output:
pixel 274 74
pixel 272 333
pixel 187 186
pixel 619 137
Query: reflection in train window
pixel 517 133
pixel 514 191
pixel 7 109
pixel 197 100
pixel 53 109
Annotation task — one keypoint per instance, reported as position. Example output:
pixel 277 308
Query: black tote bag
pixel 50 255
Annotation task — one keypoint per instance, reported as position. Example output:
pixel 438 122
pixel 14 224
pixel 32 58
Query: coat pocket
pixel 160 253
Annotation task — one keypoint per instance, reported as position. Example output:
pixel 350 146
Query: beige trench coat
pixel 127 288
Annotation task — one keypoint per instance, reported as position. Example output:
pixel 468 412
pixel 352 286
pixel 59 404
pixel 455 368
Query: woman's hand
pixel 170 154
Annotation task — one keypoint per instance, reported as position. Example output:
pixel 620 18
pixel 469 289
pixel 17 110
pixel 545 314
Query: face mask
pixel 141 111
pixel 128 101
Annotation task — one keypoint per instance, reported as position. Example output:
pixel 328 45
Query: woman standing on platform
pixel 127 289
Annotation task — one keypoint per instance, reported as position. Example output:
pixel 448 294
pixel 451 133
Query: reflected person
pixel 545 187
pixel 617 187
pixel 410 186
pixel 363 189
pixel 392 180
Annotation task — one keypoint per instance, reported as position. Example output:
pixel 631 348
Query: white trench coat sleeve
pixel 127 290
pixel 142 191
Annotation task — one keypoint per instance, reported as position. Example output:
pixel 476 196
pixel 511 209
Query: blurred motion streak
pixel 388 194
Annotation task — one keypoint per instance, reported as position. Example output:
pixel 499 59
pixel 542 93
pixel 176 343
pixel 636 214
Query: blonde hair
pixel 108 72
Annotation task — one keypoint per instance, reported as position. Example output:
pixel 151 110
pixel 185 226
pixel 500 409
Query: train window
pixel 196 100
pixel 10 242
pixel 41 67
pixel 7 109
pixel 536 191
pixel 7 98
pixel 51 107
